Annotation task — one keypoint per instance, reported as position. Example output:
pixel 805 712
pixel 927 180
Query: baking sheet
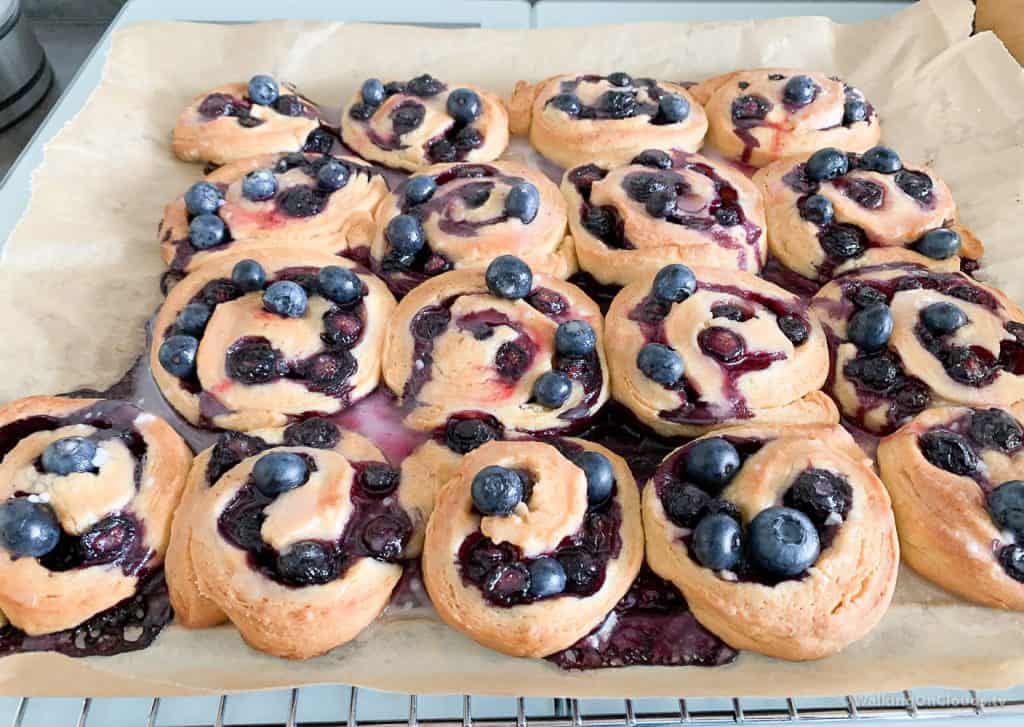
pixel 80 278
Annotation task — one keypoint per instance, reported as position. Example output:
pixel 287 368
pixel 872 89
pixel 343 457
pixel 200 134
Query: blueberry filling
pixel 463 434
pixel 628 98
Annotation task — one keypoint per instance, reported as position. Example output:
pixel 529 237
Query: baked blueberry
pixel 870 328
pixel 405 234
pixel 881 159
pixel 996 428
pixel 279 472
pixel 509 277
pixel 618 104
pixel 361 111
pixel 661 203
pixel 939 244
pixel 618 78
pixel 314 432
pixel 552 389
pixel 464 435
pixel 248 275
pixel 419 189
pixel 948 451
pixel 407 116
pixel 718 542
pixel 332 175
pixel 724 344
pixel 307 563
pixel 816 209
pixel 943 318
pixel 290 105
pixel 263 90
pixel 424 86
pixel 674 284
pixel 497 490
pixel 507 583
pixel 582 570
pixel 655 158
pixel 28 529
pixel 799 91
pixel 523 202
pixel 339 284
pixel 915 184
pixel 575 338
pixel 463 105
pixel 259 185
pixel 177 355
pixel 711 463
pixel 286 298
pixel 819 494
pixel 843 241
pixel 393 87
pixel 379 479
pixel 783 542
pixel 547 577
pixel 567 102
pixel 854 110
pixel 193 318
pixel 795 329
pixel 1006 506
pixel 253 361
pixel 600 476
pixel 685 504
pixel 660 364
pixel 373 92
pixel 202 198
pixel 825 164
pixel 206 231
pixel 69 455
pixel 1012 559
pixel 673 108
pixel 727 215
pixel 750 108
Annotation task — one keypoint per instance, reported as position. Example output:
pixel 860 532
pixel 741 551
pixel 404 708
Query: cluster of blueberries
pixel 621 102
pixel 658 362
pixel 799 91
pixel 262 91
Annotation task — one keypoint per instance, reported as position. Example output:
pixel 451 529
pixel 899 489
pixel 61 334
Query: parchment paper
pixel 80 274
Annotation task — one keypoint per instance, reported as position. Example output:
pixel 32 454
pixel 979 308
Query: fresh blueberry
pixel 869 328
pixel 286 298
pixel 206 230
pixel 405 234
pixel 193 319
pixel 497 490
pixel 783 541
pixel 826 164
pixel 661 203
pixel 854 110
pixel 673 108
pixel 819 494
pixel 881 159
pixel 177 355
pixel 279 472
pixel 547 577
pixel 575 338
pixel 674 284
pixel 332 175
pixel 943 318
pixel 263 90
pixel 685 504
pixel 28 529
pixel 711 463
pixel 618 78
pixel 939 244
pixel 948 451
pixel 463 105
pixel 248 275
pixel 817 209
pixel 996 428
pixel 655 158
pixel 259 185
pixel 567 102
pixel 660 364
pixel 373 92
pixel 523 202
pixel 68 455
pixel 799 90
pixel 509 277
pixel 340 284
pixel 718 542
pixel 202 198
pixel 552 389
pixel 600 476
pixel 1006 506
pixel 307 563
pixel 419 189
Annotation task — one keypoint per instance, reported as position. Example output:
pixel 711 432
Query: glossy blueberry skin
pixel 547 577
pixel 68 455
pixel 943 318
pixel 939 244
pixel 817 209
pixel 567 102
pixel 660 364
pixel 711 464
pixel 203 198
pixel 854 110
pixel 332 176
pixel 279 472
pixel 263 90
pixel 28 529
pixel 307 563
pixel 655 158
pixel 248 275
pixel 373 92
pixel 600 476
pixel 405 233
pixel 1006 506
pixel 870 328
pixel 575 338
pixel 799 91
pixel 419 189
pixel 339 284
pixel 783 541
pixel 620 79
pixel 463 105
pixel 286 298
pixel 661 203
pixel 718 542
pixel 496 490
pixel 206 231
pixel 193 319
pixel 826 164
pixel 177 355
pixel 523 202
pixel 509 277
pixel 552 389
pixel 259 185
pixel 674 284
pixel 673 108
pixel 881 159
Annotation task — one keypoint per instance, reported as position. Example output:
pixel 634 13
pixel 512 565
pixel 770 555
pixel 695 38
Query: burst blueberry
pixel 248 275
pixel 463 105
pixel 497 490
pixel 673 108
pixel 600 476
pixel 177 355
pixel 193 318
pixel 660 364
pixel 618 78
pixel 206 231
pixel 799 90
pixel 881 159
pixel 854 110
pixel 711 463
pixel 575 338
pixel 259 185
pixel 567 102
pixel 943 318
pixel 674 284
pixel 203 198
pixel 949 451
pixel 263 90
pixel 939 244
pixel 523 202
pixel 996 428
pixel 783 542
pixel 552 389
pixel 279 472
pixel 419 189
pixel 547 577
pixel 685 504
pixel 332 175
pixel 405 234
pixel 28 529
pixel 509 277
pixel 661 203
pixel 870 328
pixel 69 455
pixel 286 298
pixel 424 86
pixel 373 92
pixel 718 542
pixel 827 164
pixel 653 158
pixel 307 563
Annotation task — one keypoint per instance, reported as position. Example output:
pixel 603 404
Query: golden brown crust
pixel 844 594
pixel 559 499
